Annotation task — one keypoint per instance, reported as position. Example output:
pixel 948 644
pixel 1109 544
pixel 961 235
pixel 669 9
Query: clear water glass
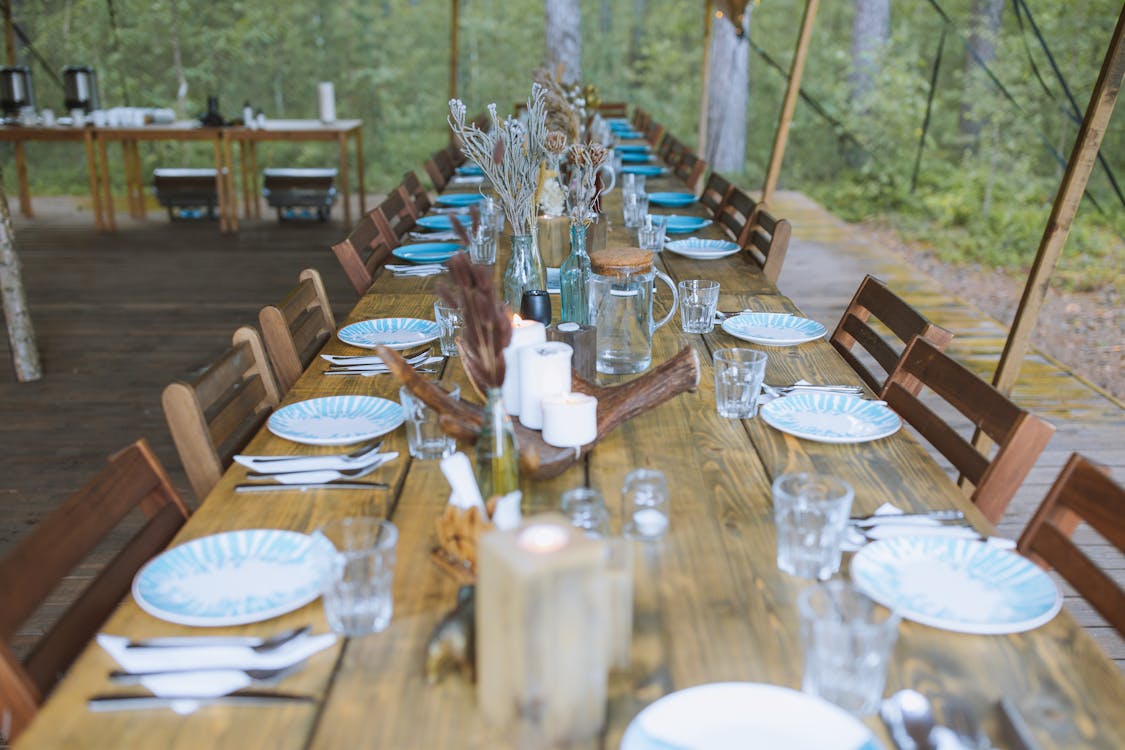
pixel 847 641
pixel 585 507
pixel 738 381
pixel 636 208
pixel 424 435
pixel 450 323
pixel 650 234
pixel 810 512
pixel 632 183
pixel 482 245
pixel 356 561
pixel 645 501
pixel 698 300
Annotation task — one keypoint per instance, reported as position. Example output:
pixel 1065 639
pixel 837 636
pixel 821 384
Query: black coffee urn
pixel 80 87
pixel 15 90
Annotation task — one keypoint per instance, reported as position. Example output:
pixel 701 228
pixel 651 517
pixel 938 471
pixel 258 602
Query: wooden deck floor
pixel 119 316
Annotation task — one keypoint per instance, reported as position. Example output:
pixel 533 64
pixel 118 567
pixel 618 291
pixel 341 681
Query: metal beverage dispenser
pixel 80 87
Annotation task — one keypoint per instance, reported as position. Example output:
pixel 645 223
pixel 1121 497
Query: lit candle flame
pixel 543 539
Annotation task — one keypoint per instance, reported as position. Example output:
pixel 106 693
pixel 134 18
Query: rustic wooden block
pixel 583 339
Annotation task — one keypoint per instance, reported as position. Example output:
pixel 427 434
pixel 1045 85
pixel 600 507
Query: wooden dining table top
pixel 710 604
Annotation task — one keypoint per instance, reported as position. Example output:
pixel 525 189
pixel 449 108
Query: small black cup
pixel 536 305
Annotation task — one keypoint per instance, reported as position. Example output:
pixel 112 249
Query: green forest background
pixel 981 203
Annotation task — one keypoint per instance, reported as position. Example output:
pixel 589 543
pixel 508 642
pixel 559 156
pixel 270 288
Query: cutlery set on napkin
pixel 434 236
pixel 419 269
pixel 186 673
pixel 889 521
pixel 272 473
pixel 374 365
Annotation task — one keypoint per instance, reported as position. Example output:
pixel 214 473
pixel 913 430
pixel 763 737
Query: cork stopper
pixel 620 261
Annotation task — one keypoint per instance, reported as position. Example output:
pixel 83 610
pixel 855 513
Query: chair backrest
pixel 613 109
pixel 51 552
pixel 767 239
pixel 655 135
pixel 456 157
pixel 395 215
pixel 295 329
pixel 439 167
pixel 417 194
pixel 715 193
pixel 1082 492
pixel 736 214
pixel 874 300
pixel 670 150
pixel 1019 435
pixel 214 416
pixel 689 168
pixel 363 252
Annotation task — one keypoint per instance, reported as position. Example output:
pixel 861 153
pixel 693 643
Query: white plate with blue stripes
pixel 396 333
pixel 232 578
pixel 773 329
pixel 961 585
pixel 335 420
pixel 698 248
pixel 831 417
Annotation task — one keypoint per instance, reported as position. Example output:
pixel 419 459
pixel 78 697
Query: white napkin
pixel 434 236
pixel 463 179
pixel 465 493
pixel 855 538
pixel 507 514
pixel 214 668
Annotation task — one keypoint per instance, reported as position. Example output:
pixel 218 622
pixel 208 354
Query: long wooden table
pixel 20 135
pixel 710 604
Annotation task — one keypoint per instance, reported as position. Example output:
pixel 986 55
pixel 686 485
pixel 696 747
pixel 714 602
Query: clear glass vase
pixel 525 270
pixel 497 454
pixel 574 278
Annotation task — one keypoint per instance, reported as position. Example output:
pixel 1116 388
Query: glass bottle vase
pixel 525 270
pixel 574 278
pixel 496 454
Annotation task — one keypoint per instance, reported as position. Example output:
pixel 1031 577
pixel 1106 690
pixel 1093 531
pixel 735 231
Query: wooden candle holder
pixel 616 405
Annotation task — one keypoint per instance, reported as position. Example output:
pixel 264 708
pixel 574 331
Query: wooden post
pixel 9 33
pixel 790 102
pixel 455 22
pixel 21 334
pixel 1082 158
pixel 705 94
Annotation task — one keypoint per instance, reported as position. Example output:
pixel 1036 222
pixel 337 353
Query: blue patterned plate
pixel 335 420
pixel 740 715
pixel 460 199
pixel 831 417
pixel 672 200
pixel 648 170
pixel 701 249
pixel 427 252
pixel 957 584
pixel 773 329
pixel 397 333
pixel 437 222
pixel 230 579
pixel 469 170
pixel 684 224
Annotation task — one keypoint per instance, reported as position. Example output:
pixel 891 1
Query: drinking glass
pixel 645 499
pixel 482 244
pixel 636 208
pixel 811 515
pixel 585 507
pixel 738 381
pixel 356 561
pixel 424 435
pixel 698 300
pixel 847 640
pixel 633 183
pixel 650 235
pixel 450 322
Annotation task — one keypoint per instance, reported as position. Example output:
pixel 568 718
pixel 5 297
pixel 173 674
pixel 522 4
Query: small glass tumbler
pixel 585 507
pixel 810 512
pixel 356 562
pixel 847 640
pixel 738 381
pixel 633 183
pixel 645 499
pixel 698 300
pixel 636 208
pixel 424 435
pixel 450 322
pixel 482 245
pixel 650 234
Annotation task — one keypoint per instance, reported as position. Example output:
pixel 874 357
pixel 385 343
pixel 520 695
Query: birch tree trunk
pixel 178 64
pixel 21 335
pixel 984 23
pixel 564 38
pixel 728 94
pixel 871 28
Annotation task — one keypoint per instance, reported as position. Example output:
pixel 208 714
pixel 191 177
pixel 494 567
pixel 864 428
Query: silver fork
pixel 321 475
pixel 358 454
pixel 268 676
pixel 787 389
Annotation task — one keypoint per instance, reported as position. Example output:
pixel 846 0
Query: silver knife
pixel 312 486
pixel 126 702
pixel 933 515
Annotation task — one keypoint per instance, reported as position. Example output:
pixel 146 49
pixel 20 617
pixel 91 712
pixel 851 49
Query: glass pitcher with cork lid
pixel 621 292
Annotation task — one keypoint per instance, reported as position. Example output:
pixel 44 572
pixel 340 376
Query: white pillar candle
pixel 570 420
pixel 544 371
pixel 524 333
pixel 326 100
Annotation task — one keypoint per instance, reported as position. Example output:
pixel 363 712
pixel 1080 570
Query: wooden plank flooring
pixel 119 316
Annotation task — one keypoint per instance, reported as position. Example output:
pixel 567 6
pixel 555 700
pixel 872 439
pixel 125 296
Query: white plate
pixel 962 585
pixel 745 716
pixel 397 333
pixel 230 579
pixel 831 417
pixel 701 249
pixel 773 329
pixel 335 420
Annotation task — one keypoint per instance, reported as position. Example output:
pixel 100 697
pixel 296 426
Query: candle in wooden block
pixel 583 339
pixel 544 371
pixel 542 630
pixel 524 333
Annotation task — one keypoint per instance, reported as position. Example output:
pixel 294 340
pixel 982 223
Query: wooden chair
pixel 214 416
pixel 416 194
pixel 670 149
pixel 715 193
pixel 756 230
pixel 395 215
pixel 363 252
pixel 1082 492
pixel 295 329
pixel 613 109
pixel 874 300
pixel 1019 435
pixel 689 168
pixel 440 169
pixel 655 135
pixel 54 549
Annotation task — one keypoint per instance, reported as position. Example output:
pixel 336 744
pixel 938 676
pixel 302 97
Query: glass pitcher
pixel 621 291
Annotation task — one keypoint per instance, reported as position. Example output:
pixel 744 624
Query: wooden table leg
pixel 359 171
pixel 232 201
pixel 21 174
pixel 130 192
pixel 94 174
pixel 344 188
pixel 220 183
pixel 247 209
pixel 139 180
pixel 255 176
pixel 111 220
